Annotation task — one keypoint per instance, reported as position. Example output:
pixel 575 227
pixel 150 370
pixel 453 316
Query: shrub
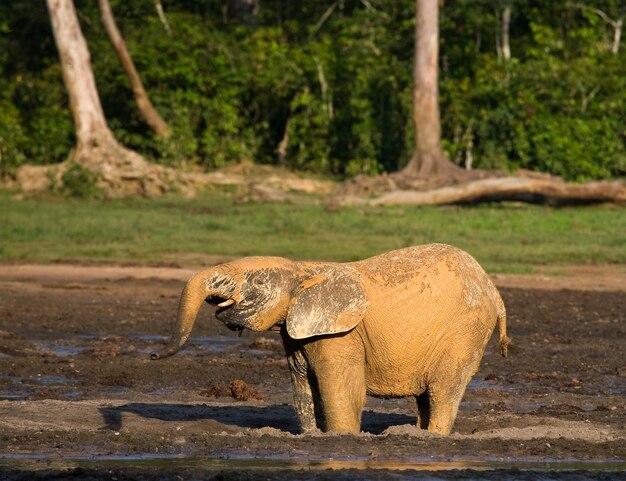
pixel 79 182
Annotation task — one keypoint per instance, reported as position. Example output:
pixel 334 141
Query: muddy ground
pixel 80 399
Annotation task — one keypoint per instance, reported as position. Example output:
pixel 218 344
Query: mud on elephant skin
pixel 410 322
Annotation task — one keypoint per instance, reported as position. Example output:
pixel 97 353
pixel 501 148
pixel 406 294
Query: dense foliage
pixel 330 93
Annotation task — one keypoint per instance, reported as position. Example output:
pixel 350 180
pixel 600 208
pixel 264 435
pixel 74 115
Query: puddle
pixel 14 396
pixel 21 394
pixel 115 390
pixel 11 379
pixel 160 392
pixel 50 380
pixel 615 387
pixel 40 379
pixel 210 343
pixel 216 343
pixel 73 394
pixel 60 348
pixel 67 348
pixel 27 462
pixel 480 384
pixel 515 406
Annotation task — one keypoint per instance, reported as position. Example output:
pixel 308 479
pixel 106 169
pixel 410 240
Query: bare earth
pixel 80 399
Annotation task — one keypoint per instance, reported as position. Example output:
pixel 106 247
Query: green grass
pixel 504 238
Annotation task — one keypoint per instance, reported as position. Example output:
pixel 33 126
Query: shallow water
pixel 71 346
pixel 28 462
pixel 61 347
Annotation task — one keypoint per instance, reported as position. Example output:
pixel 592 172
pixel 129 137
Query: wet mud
pixel 80 398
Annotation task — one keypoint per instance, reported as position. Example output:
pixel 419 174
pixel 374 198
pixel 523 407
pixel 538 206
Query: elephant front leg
pixel 302 394
pixel 342 395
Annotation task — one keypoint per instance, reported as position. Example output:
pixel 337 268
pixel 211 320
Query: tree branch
pixel 329 11
pixel 162 17
pixel 616 24
pixel 597 11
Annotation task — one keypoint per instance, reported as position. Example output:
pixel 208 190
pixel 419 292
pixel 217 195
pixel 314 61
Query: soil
pixel 80 398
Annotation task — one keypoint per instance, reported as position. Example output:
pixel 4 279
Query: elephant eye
pixel 258 281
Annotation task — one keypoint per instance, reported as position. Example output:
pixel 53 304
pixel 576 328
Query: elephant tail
pixel 505 341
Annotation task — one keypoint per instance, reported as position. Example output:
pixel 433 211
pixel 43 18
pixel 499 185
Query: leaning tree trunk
pixel 428 160
pixel 147 110
pixel 120 171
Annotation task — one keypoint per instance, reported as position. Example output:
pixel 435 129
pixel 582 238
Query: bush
pixel 79 182
pixel 12 138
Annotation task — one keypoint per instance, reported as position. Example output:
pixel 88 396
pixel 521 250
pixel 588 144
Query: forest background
pixel 325 86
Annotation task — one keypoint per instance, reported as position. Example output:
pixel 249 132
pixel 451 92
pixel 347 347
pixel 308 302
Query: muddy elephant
pixel 410 322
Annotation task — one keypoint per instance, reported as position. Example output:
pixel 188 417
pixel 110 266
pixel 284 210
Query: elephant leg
pixel 446 392
pixel 443 411
pixel 423 410
pixel 342 396
pixel 303 403
pixel 302 393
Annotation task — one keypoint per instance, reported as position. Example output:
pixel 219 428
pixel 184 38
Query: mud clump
pixel 5 334
pixel 214 390
pixel 266 344
pixel 238 389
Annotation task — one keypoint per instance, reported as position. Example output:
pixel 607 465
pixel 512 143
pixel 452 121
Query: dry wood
pixel 529 189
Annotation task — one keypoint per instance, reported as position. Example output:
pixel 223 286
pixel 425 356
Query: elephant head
pixel 260 293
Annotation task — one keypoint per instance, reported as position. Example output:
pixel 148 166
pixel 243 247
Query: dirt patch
pixel 581 278
pixel 76 380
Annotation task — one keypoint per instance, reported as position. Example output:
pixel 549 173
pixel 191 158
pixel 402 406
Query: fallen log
pixel 551 191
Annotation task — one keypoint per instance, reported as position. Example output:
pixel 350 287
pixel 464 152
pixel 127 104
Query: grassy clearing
pixel 504 238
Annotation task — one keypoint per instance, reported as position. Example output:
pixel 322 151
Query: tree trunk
pixel 147 110
pixel 506 23
pixel 120 171
pixel 428 159
pixel 85 104
pixel 617 35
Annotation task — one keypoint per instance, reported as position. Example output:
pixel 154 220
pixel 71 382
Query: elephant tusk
pixel 226 303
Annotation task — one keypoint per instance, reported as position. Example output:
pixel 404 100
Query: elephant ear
pixel 329 302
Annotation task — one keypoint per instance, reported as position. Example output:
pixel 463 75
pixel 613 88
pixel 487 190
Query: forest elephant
pixel 410 322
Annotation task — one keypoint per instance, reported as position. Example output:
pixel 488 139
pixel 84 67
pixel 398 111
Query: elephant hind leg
pixel 423 410
pixel 443 413
pixel 446 392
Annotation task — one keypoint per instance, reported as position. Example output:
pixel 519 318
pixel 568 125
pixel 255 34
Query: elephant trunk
pixel 194 294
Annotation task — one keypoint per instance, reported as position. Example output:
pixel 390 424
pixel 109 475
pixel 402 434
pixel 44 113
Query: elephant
pixel 410 322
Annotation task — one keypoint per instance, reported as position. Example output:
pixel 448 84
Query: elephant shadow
pixel 278 416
